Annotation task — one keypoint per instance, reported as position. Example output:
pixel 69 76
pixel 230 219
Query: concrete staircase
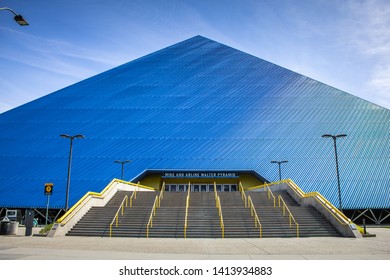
pixel 169 219
pixel 237 219
pixel 311 222
pixel 96 221
pixel 133 223
pixel 203 218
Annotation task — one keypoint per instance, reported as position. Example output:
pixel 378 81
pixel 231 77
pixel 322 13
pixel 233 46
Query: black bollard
pixel 364 226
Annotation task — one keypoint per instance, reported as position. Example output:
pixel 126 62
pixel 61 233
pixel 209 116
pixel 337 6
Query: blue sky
pixel 345 44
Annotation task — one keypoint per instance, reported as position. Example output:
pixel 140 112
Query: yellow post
pixel 261 233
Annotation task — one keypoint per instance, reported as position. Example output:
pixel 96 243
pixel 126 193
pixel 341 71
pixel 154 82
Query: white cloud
pixel 369 27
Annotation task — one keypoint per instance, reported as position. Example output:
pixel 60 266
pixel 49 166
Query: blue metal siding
pixel 196 105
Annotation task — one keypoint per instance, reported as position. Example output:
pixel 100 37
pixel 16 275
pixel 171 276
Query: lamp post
pixel 334 137
pixel 279 163
pixel 18 18
pixel 71 138
pixel 123 162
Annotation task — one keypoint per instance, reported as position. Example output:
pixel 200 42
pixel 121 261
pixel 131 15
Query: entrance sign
pixel 200 175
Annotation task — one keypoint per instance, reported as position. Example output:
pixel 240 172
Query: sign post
pixel 48 193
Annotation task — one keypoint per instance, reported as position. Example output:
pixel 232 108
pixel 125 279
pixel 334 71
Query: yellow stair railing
pixel 291 217
pixel 333 210
pixel 220 216
pixel 254 215
pixel 90 195
pixel 218 206
pixel 152 214
pixel 133 197
pixel 243 196
pixel 270 194
pixel 116 217
pixel 187 206
pixel 162 191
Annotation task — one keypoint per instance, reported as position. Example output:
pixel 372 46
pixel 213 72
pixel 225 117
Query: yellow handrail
pixel 134 195
pixel 243 196
pixel 215 193
pixel 220 216
pixel 186 217
pixel 116 217
pixel 254 215
pixel 152 214
pixel 162 191
pixel 291 217
pixel 333 210
pixel 269 192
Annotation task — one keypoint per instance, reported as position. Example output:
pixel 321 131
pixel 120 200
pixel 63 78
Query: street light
pixel 123 162
pixel 279 163
pixel 18 18
pixel 69 165
pixel 334 137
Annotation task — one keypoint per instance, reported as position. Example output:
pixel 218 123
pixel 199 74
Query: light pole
pixel 334 137
pixel 279 163
pixel 123 162
pixel 69 165
pixel 18 18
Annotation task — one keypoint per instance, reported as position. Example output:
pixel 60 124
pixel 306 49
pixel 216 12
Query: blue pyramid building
pixel 196 106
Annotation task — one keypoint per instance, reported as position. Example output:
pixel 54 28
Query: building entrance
pixel 200 187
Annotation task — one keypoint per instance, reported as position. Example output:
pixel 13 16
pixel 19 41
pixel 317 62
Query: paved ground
pixel 20 247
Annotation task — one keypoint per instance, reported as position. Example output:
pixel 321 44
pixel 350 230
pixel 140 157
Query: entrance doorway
pixel 200 187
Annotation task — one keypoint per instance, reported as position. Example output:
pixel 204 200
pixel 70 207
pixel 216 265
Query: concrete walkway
pixel 19 247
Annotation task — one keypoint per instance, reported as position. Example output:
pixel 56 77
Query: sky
pixel 345 44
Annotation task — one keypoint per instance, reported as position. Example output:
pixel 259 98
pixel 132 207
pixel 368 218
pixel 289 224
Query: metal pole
pixel 279 167
pixel 337 171
pixel 47 209
pixel 334 137
pixel 68 180
pixel 280 172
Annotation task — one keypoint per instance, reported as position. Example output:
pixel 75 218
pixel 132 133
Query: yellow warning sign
pixel 48 188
